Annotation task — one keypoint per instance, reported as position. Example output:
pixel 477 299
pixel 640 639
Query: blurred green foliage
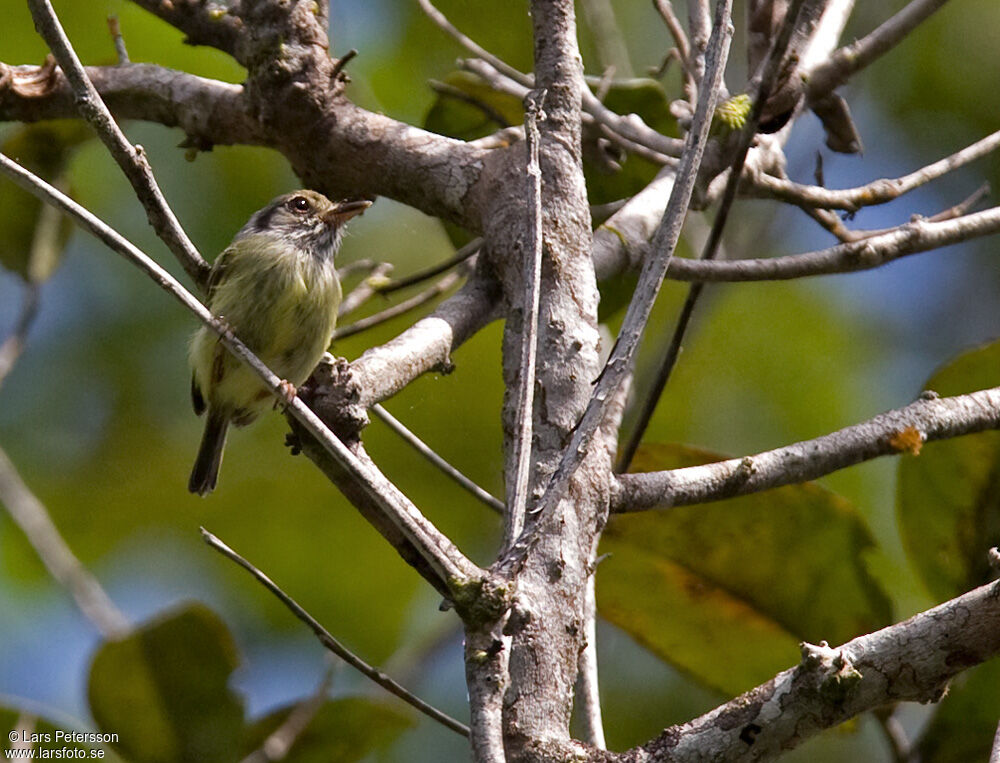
pixel 948 499
pixel 708 587
pixel 162 690
pixel 96 414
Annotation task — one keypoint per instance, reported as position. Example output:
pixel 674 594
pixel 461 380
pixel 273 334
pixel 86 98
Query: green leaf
pixel 948 497
pixel 342 731
pixel 163 689
pixel 726 591
pixel 965 723
pixel 467 108
pixel 32 235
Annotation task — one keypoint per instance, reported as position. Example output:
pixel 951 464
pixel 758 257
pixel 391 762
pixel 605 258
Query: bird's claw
pixel 286 394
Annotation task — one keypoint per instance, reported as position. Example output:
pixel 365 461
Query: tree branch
pixel 204 24
pixel 332 644
pixel 847 61
pixel 517 490
pixel 910 661
pixel 877 192
pixel 210 112
pixel 424 450
pixel 346 390
pixel 401 308
pixel 588 694
pixel 14 344
pixel 933 417
pixel 762 88
pixel 666 11
pixel 864 254
pixel 30 515
pixel 131 159
pixel 619 365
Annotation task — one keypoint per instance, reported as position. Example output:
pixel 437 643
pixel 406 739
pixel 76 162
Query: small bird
pixel 276 287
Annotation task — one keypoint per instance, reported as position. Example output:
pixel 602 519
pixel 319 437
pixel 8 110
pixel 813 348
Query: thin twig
pixel 472 46
pixel 327 640
pixel 427 452
pixel 630 128
pixel 764 86
pixel 363 324
pixel 280 741
pixel 666 11
pixel 962 208
pixel 14 344
pixel 629 132
pixel 847 235
pixel 517 493
pixel 132 159
pixel 426 274
pixel 664 242
pixel 30 515
pixel 456 93
pixel 933 417
pixel 338 67
pixel 588 695
pixel 358 266
pixel 116 35
pixel 894 733
pixel 447 562
pixel 364 291
pixel 878 191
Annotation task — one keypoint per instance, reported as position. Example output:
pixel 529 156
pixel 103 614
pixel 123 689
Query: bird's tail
pixel 205 473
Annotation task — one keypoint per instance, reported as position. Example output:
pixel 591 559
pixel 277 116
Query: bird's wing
pixel 218 272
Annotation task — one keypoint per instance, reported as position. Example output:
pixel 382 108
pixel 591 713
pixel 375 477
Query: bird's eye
pixel 299 204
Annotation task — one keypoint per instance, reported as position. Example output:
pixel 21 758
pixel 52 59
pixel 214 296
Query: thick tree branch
pixel 334 146
pixel 910 661
pixel 932 417
pixel 620 364
pixel 911 238
pixel 208 111
pixel 344 391
pixel 548 610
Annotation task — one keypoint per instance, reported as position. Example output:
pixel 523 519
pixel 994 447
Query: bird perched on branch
pixel 276 287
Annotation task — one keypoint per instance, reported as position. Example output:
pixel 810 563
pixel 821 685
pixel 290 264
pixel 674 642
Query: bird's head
pixel 306 220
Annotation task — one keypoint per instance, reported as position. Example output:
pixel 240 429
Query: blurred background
pixel 96 414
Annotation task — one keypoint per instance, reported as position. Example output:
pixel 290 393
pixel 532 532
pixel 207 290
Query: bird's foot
pixel 286 394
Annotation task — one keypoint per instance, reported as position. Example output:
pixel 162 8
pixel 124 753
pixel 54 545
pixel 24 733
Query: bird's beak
pixel 343 211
